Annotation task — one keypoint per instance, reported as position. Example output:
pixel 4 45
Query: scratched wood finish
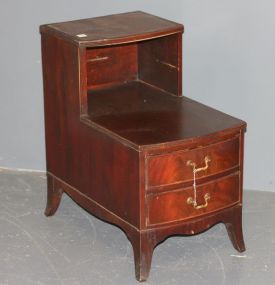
pixel 83 157
pixel 173 168
pixel 159 63
pixel 113 29
pixel 113 124
pixel 224 192
pixel 146 116
pixel 111 65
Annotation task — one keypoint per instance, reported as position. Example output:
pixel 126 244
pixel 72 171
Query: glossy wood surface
pixel 160 63
pixel 224 192
pixel 144 242
pixel 118 132
pixel 172 168
pixel 113 29
pixel 111 65
pixel 145 115
pixel 155 62
pixel 83 157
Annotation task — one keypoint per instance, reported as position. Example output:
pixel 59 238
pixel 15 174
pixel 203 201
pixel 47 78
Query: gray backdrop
pixel 228 57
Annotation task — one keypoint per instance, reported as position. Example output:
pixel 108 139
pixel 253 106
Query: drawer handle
pixel 193 164
pixel 193 201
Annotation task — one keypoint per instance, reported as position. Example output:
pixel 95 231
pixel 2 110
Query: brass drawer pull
pixel 193 164
pixel 193 201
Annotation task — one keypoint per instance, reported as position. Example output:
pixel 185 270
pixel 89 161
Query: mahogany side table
pixel 124 143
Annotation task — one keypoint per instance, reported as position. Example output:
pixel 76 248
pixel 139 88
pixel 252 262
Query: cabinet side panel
pixel 56 119
pixel 83 157
pixel 159 63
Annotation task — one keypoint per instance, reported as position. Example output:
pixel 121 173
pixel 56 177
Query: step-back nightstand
pixel 124 143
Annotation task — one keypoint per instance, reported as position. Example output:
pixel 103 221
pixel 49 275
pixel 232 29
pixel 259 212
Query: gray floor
pixel 74 248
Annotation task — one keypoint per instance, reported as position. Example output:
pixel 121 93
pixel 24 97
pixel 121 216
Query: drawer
pixel 110 65
pixel 173 168
pixel 173 206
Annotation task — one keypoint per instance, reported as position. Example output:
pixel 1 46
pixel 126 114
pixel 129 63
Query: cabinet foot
pixel 235 231
pixel 54 195
pixel 143 247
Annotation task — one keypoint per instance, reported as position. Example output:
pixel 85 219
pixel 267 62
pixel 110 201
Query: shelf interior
pixel 146 115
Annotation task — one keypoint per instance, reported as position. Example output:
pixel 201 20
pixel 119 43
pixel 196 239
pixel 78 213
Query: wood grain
pixel 169 207
pixel 118 132
pixel 172 168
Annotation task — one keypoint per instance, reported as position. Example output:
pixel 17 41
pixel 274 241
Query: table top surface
pixel 114 29
pixel 145 115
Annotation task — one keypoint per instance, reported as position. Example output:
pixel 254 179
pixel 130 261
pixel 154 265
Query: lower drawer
pixel 172 206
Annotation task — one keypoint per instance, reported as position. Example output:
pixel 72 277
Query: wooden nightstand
pixel 125 144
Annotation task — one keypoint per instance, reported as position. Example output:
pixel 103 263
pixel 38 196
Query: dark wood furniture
pixel 125 144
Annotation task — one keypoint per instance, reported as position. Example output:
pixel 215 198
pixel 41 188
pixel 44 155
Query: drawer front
pixel 114 64
pixel 172 206
pixel 173 168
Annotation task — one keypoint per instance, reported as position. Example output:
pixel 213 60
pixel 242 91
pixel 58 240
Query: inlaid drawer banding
pixel 224 192
pixel 164 170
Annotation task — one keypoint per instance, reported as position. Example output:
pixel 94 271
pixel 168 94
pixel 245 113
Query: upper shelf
pixel 114 29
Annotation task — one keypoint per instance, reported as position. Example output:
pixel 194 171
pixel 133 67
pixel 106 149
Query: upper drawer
pixel 174 168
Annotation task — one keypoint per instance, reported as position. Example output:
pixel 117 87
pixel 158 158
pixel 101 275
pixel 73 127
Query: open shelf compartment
pixel 153 62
